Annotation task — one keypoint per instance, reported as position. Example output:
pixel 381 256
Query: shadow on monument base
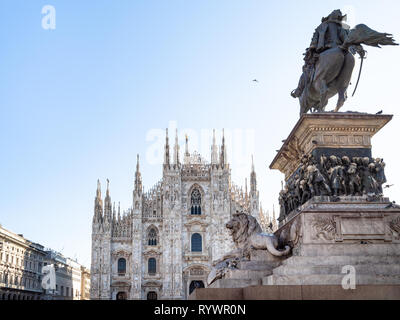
pixel 299 292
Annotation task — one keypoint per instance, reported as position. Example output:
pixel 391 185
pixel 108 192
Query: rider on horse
pixel 329 61
pixel 329 34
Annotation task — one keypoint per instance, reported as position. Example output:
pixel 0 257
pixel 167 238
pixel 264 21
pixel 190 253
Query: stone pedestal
pixel 330 232
pixel 327 236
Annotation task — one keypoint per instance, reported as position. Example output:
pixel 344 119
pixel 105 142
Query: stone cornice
pixel 152 284
pixel 327 130
pixel 121 253
pixel 152 252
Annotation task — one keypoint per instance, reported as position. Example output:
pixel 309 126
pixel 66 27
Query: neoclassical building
pixel 21 273
pixel 21 263
pixel 163 246
pixel 71 278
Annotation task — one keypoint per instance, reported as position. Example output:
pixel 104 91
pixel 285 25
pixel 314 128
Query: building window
pixel 152 267
pixel 121 266
pixel 152 237
pixel 195 202
pixel 196 243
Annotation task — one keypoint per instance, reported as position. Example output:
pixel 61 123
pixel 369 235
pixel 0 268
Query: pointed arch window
pixel 195 202
pixel 121 266
pixel 152 237
pixel 197 245
pixel 152 266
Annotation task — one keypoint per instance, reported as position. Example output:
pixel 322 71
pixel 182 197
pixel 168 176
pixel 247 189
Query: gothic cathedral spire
pixel 107 202
pixel 138 179
pixel 253 179
pixel 176 149
pixel 214 151
pixel 166 152
pixel 98 203
pixel 222 157
pixel 254 194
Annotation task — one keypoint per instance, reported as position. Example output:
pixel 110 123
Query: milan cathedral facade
pixel 164 245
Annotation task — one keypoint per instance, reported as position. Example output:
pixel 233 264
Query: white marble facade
pixel 163 246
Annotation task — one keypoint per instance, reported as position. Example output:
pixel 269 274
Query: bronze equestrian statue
pixel 329 61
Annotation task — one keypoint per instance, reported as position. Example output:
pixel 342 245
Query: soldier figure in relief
pixel 336 175
pixel 354 179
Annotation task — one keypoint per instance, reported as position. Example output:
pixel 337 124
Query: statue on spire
pixel 187 155
pixel 98 191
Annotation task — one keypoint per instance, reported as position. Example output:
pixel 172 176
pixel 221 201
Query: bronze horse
pixel 332 71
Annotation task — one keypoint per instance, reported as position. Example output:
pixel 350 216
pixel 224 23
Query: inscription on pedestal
pixel 354 227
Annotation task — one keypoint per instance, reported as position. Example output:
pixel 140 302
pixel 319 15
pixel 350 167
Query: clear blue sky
pixel 79 102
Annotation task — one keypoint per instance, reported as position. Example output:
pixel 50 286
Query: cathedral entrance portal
pixel 121 296
pixel 195 284
pixel 151 295
pixel 194 276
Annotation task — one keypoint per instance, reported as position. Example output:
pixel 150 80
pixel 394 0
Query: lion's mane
pixel 248 225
